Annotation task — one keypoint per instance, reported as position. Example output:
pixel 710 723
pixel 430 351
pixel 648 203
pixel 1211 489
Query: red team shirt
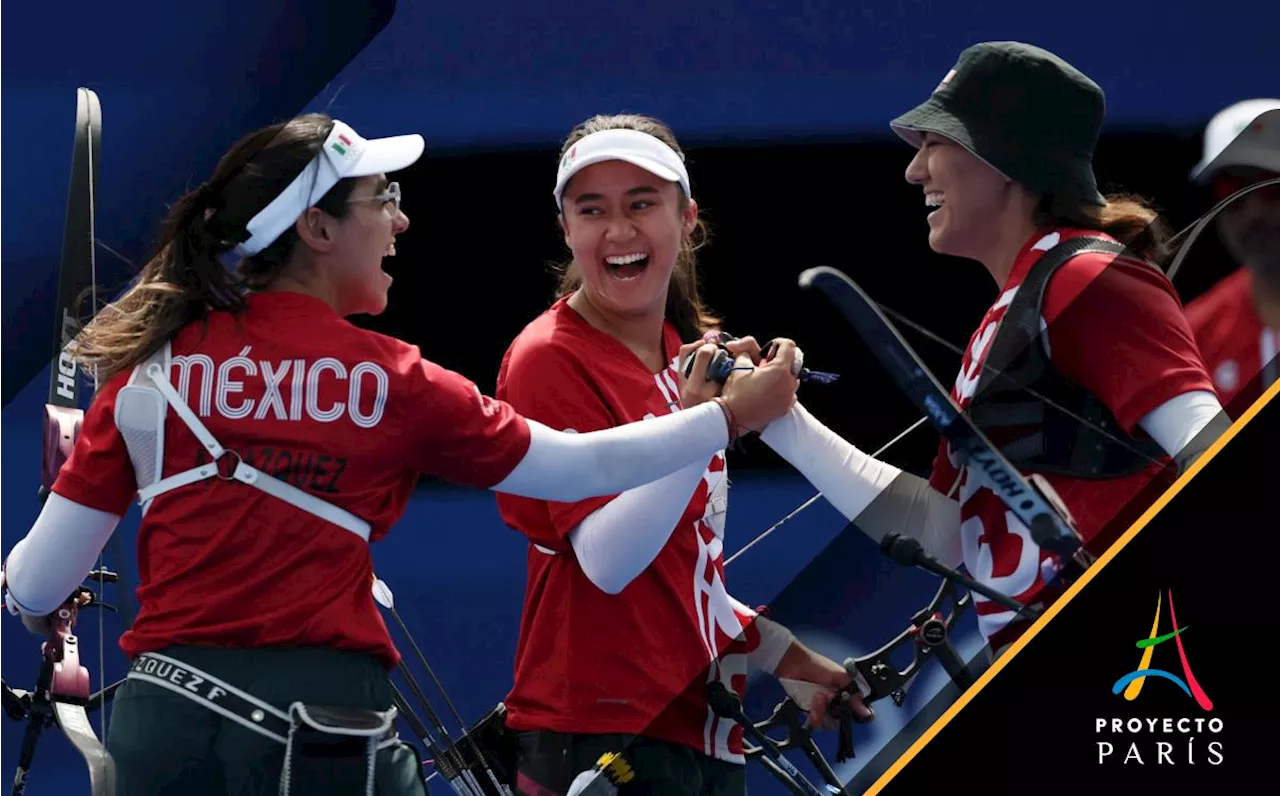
pixel 636 662
pixel 1235 345
pixel 351 416
pixel 1131 347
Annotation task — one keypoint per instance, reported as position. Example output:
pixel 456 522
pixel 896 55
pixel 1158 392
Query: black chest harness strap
pixel 1085 441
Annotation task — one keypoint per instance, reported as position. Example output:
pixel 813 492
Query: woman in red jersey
pixel 1004 159
pixel 626 616
pixel 269 441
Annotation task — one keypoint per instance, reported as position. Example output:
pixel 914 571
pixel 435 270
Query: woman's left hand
pixel 696 388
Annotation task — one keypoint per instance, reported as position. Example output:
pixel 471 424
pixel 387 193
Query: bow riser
pixel 929 636
pixel 928 633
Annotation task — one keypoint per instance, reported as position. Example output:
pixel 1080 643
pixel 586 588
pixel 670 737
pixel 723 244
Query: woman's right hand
pixel 758 396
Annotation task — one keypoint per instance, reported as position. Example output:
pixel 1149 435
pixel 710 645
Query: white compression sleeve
pixel 618 541
pixel 1176 422
pixel 567 467
pixel 775 640
pixel 44 568
pixel 879 497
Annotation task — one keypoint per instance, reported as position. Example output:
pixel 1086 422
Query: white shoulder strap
pixel 140 415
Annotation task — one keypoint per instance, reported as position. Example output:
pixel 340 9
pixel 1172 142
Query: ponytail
pixel 178 285
pixel 1128 218
pixel 186 277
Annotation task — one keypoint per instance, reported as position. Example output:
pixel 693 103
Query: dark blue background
pixel 179 82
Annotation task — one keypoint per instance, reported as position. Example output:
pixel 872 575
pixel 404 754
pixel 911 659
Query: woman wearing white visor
pixel 626 616
pixel 269 441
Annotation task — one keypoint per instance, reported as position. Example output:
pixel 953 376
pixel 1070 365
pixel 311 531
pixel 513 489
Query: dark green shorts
pixel 164 743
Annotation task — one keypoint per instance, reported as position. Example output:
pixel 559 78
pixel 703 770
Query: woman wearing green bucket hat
pixel 1004 157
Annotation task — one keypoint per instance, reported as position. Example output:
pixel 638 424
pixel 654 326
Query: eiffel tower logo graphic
pixel 1132 682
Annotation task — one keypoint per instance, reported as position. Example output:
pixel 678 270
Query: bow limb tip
pixel 809 276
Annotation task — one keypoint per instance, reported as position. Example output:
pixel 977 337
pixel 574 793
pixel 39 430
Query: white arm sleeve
pixel 775 640
pixel 618 541
pixel 567 467
pixel 1176 422
pixel 44 569
pixel 879 497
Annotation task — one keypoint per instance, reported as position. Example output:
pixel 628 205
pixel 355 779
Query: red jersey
pixel 1148 355
pixel 348 415
pixel 1235 345
pixel 635 662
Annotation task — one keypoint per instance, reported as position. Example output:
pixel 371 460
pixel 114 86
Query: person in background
pixel 1237 321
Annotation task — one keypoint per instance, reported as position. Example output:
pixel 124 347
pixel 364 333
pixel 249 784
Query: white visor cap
pixel 1244 134
pixel 344 154
pixel 632 146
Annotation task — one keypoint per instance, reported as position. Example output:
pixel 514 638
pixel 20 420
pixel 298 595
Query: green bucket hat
pixel 1023 110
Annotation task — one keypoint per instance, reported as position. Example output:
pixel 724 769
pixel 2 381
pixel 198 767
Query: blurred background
pixel 782 110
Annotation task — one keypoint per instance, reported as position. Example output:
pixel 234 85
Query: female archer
pixel 1111 389
pixel 626 616
pixel 269 441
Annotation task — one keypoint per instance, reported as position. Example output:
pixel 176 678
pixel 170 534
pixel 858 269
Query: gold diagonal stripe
pixel 1071 592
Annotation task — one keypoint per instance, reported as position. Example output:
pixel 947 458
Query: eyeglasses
pixel 391 194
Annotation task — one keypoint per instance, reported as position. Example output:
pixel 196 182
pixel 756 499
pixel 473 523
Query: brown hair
pixel 685 309
pixel 185 278
pixel 1128 218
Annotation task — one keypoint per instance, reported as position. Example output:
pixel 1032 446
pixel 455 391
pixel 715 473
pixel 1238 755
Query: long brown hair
pixel 185 278
pixel 1127 217
pixel 685 308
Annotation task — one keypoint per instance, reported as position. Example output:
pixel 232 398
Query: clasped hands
pixel 756 393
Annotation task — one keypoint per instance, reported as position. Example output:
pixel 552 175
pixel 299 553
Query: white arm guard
pixel 56 556
pixel 879 497
pixel 567 467
pixel 775 640
pixel 618 541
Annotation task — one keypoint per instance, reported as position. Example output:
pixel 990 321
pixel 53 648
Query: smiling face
pixel 358 242
pixel 970 199
pixel 625 226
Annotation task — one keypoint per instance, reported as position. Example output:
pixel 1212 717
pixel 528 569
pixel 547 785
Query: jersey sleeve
pixel 1227 330
pixel 1118 329
pixel 462 435
pixel 546 382
pixel 99 473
